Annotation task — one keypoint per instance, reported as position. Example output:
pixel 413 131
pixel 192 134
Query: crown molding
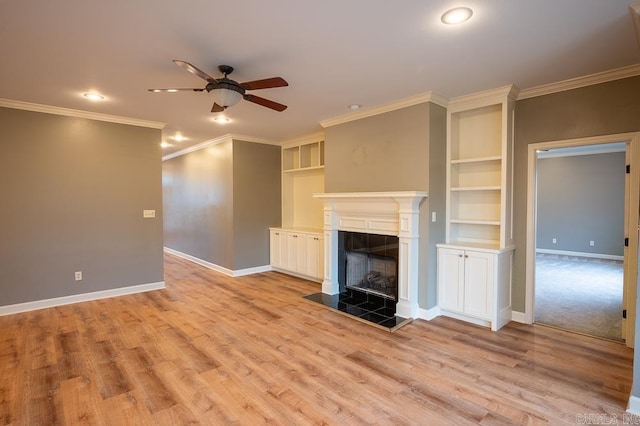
pixel 246 138
pixel 48 109
pixel 224 138
pixel 197 147
pixel 575 83
pixel 314 137
pixel 486 97
pixel 402 103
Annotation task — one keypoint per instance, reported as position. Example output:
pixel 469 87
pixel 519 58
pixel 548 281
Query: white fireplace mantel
pixel 387 213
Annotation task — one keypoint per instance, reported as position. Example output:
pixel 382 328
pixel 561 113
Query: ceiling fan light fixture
pixel 226 97
pixel 457 15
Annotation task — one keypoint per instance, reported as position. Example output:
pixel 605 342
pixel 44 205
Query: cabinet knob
pixel 466 256
pixel 459 255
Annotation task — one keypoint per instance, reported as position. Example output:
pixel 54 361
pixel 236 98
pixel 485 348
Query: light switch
pixel 148 214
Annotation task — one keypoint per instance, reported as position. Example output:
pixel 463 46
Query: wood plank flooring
pixel 216 350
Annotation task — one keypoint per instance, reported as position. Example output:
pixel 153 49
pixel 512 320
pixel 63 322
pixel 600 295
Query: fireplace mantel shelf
pixel 389 194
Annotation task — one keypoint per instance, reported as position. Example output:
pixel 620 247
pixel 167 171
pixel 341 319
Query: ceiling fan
pixel 227 92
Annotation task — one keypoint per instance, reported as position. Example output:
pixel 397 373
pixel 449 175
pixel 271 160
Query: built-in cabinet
pixel 472 284
pixel 297 252
pixel 297 247
pixel 474 266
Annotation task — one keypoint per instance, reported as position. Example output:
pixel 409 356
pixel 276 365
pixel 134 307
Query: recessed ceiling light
pixel 93 96
pixel 457 15
pixel 221 120
pixel 178 137
pixel 355 107
pixel 165 144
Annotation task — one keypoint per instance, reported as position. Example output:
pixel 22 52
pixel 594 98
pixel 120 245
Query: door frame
pixel 632 215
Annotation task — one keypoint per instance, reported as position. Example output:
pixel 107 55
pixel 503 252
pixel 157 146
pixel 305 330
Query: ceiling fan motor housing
pixel 225 83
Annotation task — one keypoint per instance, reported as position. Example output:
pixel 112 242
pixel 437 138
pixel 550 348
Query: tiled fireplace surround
pixel 384 213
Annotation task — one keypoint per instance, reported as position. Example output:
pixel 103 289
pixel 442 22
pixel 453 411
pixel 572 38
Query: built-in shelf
pixel 474 264
pixel 304 156
pixel 302 176
pixel 476 188
pixel 476 160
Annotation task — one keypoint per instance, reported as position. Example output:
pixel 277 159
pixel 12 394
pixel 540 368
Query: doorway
pixel 580 193
pixel 631 143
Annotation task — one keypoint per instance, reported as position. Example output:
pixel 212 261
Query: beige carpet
pixel 579 294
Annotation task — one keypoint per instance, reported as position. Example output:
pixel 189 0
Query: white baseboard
pixel 580 254
pixel 76 298
pixel 429 314
pixel 520 317
pixel 634 405
pixel 218 268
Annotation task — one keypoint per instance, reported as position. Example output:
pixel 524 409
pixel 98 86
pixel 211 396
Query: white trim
pixel 218 268
pixel 520 317
pixel 27 106
pixel 589 150
pixel 633 139
pixel 402 103
pixel 484 98
pixel 429 314
pixel 303 140
pixel 575 83
pixel 633 407
pixel 224 138
pixel 77 298
pixel 466 318
pixel 580 254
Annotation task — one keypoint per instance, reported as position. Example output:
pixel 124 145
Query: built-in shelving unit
pixel 302 176
pixel 303 157
pixel 296 246
pixel 474 264
pixel 479 159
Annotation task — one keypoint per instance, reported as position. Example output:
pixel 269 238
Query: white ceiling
pixel 333 53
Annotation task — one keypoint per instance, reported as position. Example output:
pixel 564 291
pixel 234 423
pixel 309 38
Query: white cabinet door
pixel 478 284
pixel 278 245
pixel 315 254
pixel 451 279
pixel 296 253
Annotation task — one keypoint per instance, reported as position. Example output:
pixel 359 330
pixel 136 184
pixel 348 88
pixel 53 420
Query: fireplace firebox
pixel 368 263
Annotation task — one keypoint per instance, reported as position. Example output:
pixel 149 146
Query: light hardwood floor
pixel 250 350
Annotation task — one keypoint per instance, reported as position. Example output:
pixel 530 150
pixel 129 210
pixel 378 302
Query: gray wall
pixel 437 197
pixel 256 201
pixel 601 109
pixel 198 204
pixel 385 152
pixel 581 198
pixel 73 191
pixel 392 152
pixel 220 201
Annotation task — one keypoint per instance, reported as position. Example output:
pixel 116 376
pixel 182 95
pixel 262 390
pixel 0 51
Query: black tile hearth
pixel 377 311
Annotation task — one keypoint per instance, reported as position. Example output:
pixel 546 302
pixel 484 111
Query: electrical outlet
pixel 592 243
pixel 433 216
pixel 78 275
pixel 148 214
pixel 553 241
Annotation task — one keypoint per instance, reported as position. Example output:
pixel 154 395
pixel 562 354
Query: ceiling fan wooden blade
pixel 267 83
pixel 194 70
pixel 265 102
pixel 175 90
pixel 217 108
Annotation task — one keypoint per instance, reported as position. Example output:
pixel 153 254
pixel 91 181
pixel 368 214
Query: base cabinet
pixel 297 252
pixel 475 284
